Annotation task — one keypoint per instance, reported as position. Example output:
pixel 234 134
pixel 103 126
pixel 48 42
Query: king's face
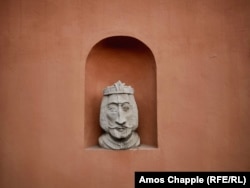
pixel 120 116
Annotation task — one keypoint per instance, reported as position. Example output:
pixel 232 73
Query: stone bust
pixel 119 118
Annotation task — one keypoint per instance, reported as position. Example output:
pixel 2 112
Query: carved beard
pixel 106 141
pixel 116 134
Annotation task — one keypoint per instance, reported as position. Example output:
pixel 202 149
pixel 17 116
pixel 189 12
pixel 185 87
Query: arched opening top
pixel 122 42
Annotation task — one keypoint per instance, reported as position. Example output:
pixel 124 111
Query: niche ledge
pixel 141 147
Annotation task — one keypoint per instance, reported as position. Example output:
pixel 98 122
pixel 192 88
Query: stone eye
pixel 126 107
pixel 112 108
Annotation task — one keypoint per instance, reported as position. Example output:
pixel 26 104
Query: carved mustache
pixel 124 126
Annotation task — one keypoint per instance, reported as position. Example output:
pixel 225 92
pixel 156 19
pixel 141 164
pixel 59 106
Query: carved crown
pixel 118 88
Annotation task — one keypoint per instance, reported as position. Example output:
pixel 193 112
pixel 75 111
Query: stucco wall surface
pixel 201 49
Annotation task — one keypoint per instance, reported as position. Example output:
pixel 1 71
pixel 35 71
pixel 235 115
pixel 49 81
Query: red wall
pixel 201 50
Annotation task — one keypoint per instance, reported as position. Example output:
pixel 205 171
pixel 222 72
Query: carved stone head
pixel 119 118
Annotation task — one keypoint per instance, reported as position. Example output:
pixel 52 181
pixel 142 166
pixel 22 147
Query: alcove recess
pixel 131 61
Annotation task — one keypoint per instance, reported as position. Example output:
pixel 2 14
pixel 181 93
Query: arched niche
pixel 131 61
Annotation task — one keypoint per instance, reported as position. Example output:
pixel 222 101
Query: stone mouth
pixel 120 129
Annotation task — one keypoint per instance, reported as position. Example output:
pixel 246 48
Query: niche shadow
pixel 131 61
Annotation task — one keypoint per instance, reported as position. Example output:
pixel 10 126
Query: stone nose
pixel 120 120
